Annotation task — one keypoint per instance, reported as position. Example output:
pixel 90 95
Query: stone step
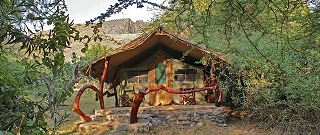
pixel 113 110
pixel 125 118
pixel 156 109
pixel 96 127
pixel 184 113
pixel 122 118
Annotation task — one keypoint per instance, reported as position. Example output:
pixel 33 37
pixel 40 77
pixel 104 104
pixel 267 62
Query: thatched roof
pixel 140 48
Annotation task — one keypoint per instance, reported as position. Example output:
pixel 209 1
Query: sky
pixel 84 10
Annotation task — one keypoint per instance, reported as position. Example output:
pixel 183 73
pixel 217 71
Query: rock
pixel 184 118
pixel 200 124
pixel 157 122
pixel 150 119
pixel 222 125
pixel 184 123
pixel 145 129
pixel 194 119
pixel 253 130
pixel 192 124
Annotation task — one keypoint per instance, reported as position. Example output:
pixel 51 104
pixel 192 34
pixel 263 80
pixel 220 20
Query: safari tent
pixel 153 59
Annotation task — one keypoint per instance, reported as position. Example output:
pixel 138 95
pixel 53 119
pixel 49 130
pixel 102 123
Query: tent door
pixel 162 76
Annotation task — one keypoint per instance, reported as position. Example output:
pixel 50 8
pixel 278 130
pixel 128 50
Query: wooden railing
pixel 99 93
pixel 139 98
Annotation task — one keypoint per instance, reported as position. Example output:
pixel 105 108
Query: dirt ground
pixel 235 126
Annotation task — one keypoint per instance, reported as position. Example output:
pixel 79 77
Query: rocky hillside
pixel 114 34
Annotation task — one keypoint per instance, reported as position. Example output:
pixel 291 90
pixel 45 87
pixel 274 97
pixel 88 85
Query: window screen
pixel 182 75
pixel 137 76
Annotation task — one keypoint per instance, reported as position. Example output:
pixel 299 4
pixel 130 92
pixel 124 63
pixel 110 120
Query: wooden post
pixel 168 97
pixel 217 91
pixel 102 79
pixel 213 79
pixel 152 96
pixel 209 92
pixel 115 88
pixel 115 94
pixel 135 106
pixel 218 97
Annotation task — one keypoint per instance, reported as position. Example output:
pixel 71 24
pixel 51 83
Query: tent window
pixel 182 75
pixel 137 76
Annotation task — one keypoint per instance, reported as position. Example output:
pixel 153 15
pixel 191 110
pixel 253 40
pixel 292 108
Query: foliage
pixel 92 53
pixel 25 101
pixel 120 5
pixel 273 49
pixel 96 51
pixel 34 86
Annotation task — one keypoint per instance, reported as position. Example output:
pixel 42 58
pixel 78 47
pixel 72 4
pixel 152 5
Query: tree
pixel 43 76
pixel 96 51
pixel 273 45
pixel 33 87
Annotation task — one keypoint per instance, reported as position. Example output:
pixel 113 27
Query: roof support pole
pixel 217 92
pixel 115 89
pixel 102 79
pixel 115 96
pixel 209 92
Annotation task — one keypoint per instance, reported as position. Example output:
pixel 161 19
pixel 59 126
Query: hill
pixel 114 33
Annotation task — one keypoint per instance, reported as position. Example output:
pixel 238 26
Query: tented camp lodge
pixel 155 59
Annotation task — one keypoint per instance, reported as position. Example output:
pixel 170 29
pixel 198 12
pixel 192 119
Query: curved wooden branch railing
pixel 99 92
pixel 139 98
pixel 185 91
pixel 211 84
pixel 76 108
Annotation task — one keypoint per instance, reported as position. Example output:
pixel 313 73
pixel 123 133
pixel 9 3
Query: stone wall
pixel 114 119
pixel 123 26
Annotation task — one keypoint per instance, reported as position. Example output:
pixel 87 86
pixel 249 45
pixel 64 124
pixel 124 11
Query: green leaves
pixel 85 48
pixel 273 47
pixel 33 87
pixel 96 51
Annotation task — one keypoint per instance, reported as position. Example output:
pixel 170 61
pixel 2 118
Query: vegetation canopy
pixel 274 50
